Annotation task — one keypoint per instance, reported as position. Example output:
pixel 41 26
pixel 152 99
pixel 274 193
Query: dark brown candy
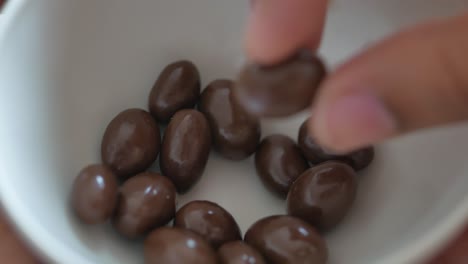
pixel 282 89
pixel 238 252
pixel 94 194
pixel 177 246
pixel 147 200
pixel 235 133
pixel 323 195
pixel 311 150
pixel 287 240
pixel 209 220
pixel 185 148
pixel 279 162
pixel 131 143
pixel 359 159
pixel 362 158
pixel 177 87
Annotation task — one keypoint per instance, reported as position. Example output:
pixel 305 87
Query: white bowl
pixel 67 67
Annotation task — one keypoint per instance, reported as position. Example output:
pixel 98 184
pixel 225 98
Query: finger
pixel 276 28
pixel 455 253
pixel 12 249
pixel 414 80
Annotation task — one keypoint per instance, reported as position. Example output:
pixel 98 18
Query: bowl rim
pixel 51 248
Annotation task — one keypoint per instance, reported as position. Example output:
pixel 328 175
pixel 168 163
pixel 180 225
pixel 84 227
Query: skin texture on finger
pixel 277 28
pixel 455 253
pixel 415 79
pixel 12 249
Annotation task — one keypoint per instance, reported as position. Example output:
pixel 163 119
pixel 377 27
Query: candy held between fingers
pixel 236 134
pixel 209 220
pixel 282 89
pixel 131 143
pixel 323 195
pixel 177 87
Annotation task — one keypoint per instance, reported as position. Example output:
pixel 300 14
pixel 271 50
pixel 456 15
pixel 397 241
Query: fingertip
pixel 277 28
pixel 349 122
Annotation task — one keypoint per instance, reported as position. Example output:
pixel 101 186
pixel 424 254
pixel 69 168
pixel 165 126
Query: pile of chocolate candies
pixel 142 204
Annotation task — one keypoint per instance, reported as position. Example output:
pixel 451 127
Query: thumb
pixel 414 80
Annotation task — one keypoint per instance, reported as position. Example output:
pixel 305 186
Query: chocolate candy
pixel 209 220
pixel 185 148
pixel 177 87
pixel 94 194
pixel 323 195
pixel 362 158
pixel 177 246
pixel 131 143
pixel 282 89
pixel 359 159
pixel 147 200
pixel 279 162
pixel 238 252
pixel 235 133
pixel 311 150
pixel 287 240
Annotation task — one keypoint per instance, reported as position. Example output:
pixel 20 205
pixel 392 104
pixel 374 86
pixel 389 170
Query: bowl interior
pixel 68 67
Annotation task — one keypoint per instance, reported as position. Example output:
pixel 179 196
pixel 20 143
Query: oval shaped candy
pixel 279 162
pixel 177 87
pixel 177 246
pixel 287 239
pixel 323 195
pixel 282 89
pixel 94 194
pixel 235 133
pixel 185 148
pixel 147 200
pixel 209 220
pixel 239 252
pixel 130 143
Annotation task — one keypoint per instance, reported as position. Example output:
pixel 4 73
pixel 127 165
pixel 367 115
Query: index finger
pixel 276 28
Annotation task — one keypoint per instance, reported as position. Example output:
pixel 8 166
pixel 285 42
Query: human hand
pixel 12 248
pixel 413 80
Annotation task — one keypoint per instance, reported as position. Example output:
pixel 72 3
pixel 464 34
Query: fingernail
pixel 353 121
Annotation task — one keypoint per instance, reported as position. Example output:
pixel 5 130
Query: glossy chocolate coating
pixel 282 89
pixel 287 240
pixel 323 195
pixel 359 159
pixel 147 200
pixel 177 246
pixel 130 143
pixel 177 87
pixel 236 134
pixel 238 252
pixel 209 220
pixel 279 162
pixel 94 194
pixel 185 148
